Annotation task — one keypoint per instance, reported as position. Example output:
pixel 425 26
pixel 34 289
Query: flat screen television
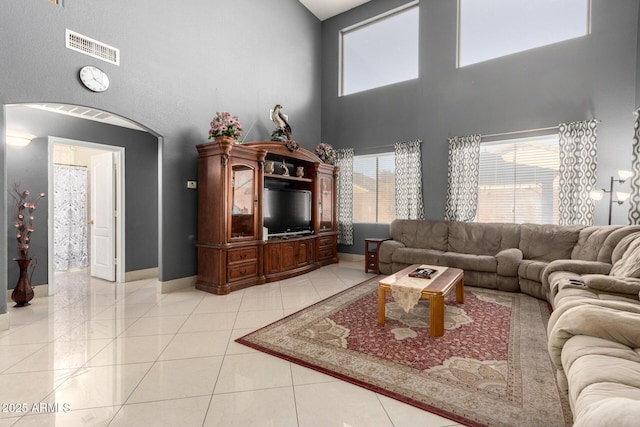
pixel 286 210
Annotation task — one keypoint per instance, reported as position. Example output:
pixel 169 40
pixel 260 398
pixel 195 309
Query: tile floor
pixel 105 354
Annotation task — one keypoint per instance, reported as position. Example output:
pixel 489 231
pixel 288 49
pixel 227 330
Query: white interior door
pixel 103 218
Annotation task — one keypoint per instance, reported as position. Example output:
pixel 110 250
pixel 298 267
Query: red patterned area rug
pixel 491 367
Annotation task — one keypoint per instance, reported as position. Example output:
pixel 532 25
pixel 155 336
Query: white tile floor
pixel 100 353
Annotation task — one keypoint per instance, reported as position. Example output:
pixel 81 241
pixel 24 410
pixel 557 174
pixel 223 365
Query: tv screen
pixel 286 210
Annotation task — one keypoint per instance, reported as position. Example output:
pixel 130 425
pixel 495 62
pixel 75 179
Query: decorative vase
pixel 23 292
pixel 300 171
pixel 225 139
pixel 269 168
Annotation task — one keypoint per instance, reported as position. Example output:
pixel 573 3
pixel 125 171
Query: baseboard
pixel 350 257
pixel 176 285
pixel 147 273
pixel 38 291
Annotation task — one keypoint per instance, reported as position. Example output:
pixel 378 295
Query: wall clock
pixel 93 78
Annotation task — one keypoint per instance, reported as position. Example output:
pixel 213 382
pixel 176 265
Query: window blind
pixel 374 188
pixel 518 181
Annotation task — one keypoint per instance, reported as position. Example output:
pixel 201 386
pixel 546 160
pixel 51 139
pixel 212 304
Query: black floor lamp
pixel 622 196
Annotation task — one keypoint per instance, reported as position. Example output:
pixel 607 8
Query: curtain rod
pixel 388 145
pixel 73 166
pixel 516 132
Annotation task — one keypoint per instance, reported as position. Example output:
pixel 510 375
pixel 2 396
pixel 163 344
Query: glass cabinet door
pixel 242 197
pixel 326 203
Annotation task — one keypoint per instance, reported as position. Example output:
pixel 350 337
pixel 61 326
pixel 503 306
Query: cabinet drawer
pixel 243 271
pixel 242 255
pixel 326 241
pixel 326 253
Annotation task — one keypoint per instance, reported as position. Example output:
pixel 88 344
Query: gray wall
pixel 592 76
pixel 29 166
pixel 181 62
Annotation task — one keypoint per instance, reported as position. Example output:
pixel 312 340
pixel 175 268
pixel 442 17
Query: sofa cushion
pixel 601 405
pixel 416 256
pixel 481 238
pixel 547 242
pixel 485 263
pixel 420 233
pixel 629 264
pixel 531 269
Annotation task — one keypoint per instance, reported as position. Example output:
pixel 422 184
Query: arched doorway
pixel 105 130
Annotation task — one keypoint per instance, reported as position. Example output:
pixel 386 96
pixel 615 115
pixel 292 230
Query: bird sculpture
pixel 285 169
pixel 281 121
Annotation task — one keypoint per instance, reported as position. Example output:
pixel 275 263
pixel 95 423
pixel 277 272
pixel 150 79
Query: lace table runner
pixel 406 291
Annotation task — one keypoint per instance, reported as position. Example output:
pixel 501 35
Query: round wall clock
pixel 93 78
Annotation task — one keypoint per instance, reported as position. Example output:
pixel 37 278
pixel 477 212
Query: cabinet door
pixel 272 258
pixel 326 203
pixel 302 253
pixel 288 255
pixel 243 202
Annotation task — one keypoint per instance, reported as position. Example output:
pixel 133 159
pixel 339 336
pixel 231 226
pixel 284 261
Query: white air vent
pixel 88 46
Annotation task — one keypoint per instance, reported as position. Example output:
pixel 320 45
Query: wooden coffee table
pixel 435 290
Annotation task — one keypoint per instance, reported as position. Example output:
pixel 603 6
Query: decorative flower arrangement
pixel 326 153
pixel 24 219
pixel 225 124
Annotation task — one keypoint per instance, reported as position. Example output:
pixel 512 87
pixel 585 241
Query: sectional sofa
pixel 590 275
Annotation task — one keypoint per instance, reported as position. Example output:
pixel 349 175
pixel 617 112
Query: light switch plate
pixel 192 185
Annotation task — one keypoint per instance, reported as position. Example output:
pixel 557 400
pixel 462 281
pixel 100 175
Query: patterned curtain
pixel 409 180
pixel 70 226
pixel 464 170
pixel 345 195
pixel 634 200
pixel 578 161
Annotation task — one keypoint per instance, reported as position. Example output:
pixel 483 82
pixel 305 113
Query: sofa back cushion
pixel 591 241
pixel 628 265
pixel 548 242
pixel 596 243
pixel 422 234
pixel 482 238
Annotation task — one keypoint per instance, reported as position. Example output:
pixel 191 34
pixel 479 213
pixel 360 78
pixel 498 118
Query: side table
pixel 371 248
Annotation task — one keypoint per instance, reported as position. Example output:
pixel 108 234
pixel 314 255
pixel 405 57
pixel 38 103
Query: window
pixel 519 181
pixel 493 28
pixel 374 190
pixel 379 51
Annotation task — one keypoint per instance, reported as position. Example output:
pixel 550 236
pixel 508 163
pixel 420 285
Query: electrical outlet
pixel 192 185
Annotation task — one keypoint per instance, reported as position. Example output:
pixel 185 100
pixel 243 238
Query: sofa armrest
pixel 575 266
pixel 619 285
pixel 609 320
pixel 508 262
pixel 386 250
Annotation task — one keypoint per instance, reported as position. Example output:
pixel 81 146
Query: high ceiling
pixel 325 9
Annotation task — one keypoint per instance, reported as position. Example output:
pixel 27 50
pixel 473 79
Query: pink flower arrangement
pixel 225 124
pixel 326 153
pixel 24 219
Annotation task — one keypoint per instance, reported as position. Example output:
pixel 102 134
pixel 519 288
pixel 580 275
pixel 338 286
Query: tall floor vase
pixel 23 292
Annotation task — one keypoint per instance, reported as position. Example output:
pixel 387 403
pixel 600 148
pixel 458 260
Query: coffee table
pixel 435 290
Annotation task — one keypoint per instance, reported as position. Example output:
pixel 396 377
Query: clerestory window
pixel 379 51
pixel 489 29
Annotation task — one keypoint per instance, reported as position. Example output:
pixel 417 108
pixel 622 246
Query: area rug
pixel 491 367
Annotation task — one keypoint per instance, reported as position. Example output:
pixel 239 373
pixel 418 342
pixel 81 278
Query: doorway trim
pixel 120 204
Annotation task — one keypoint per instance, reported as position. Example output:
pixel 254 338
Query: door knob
pixel 90 222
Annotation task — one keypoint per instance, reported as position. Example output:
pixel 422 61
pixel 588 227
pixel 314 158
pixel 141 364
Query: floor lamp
pixel 622 196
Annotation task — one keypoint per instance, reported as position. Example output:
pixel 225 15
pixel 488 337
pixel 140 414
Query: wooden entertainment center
pixel 233 253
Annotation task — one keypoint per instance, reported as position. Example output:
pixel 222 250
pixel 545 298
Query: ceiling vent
pixel 88 46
